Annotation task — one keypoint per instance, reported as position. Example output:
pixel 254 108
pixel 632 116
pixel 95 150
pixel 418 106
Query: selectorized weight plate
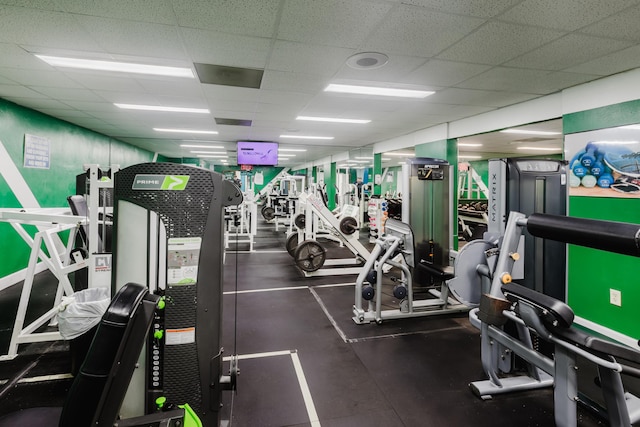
pixel 292 243
pixel 268 213
pixel 300 220
pixel 310 256
pixel 348 225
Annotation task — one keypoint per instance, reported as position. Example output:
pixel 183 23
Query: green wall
pixel 70 147
pixel 591 273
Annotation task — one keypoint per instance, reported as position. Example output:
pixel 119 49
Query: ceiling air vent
pixel 232 122
pixel 229 76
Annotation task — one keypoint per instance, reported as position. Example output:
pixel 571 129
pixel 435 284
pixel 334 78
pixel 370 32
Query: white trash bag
pixel 82 311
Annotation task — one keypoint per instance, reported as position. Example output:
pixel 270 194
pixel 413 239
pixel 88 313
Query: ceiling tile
pixel 131 38
pixel 232 50
pixel 295 82
pixel 330 22
pixel 134 10
pixel 444 73
pixel 249 17
pixel 43 29
pixel 524 80
pixel 217 93
pixel 497 42
pixel 606 65
pixel 397 70
pixel 482 9
pixel 623 25
pixel 307 59
pixel 63 94
pixel 565 15
pixel 415 31
pixel 17 57
pixel 480 97
pixel 106 81
pixel 13 92
pixel 39 78
pixel 568 51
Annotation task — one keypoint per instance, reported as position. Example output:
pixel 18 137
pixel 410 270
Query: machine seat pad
pixel 559 314
pixel 595 344
pixel 439 272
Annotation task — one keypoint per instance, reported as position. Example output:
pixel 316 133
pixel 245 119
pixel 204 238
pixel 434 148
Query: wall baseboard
pixel 624 339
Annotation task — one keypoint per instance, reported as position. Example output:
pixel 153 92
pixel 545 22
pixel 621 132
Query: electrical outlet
pixel 615 297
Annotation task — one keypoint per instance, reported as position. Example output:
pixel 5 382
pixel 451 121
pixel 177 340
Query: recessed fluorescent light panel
pixel 210 132
pixel 291 150
pixel 212 156
pixel 380 91
pixel 208 152
pixel 530 132
pixel 540 148
pixel 363 158
pixel 305 137
pixel 465 156
pixel 398 154
pixel 122 67
pixel 161 108
pixel 332 120
pixel 469 144
pixel 201 146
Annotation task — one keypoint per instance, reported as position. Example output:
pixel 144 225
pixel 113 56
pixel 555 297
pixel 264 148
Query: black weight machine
pixel 168 234
pixel 535 314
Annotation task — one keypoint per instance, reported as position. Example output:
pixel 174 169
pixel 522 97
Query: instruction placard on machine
pixel 183 254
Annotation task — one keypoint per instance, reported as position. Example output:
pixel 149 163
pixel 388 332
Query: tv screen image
pixel 257 153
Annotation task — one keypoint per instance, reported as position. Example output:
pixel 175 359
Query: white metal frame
pixel 315 205
pixel 50 222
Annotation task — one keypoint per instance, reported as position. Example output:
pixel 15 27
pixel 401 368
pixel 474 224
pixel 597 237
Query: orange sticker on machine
pixel 180 336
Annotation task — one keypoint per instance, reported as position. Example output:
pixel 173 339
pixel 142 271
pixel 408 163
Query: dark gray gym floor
pixel 305 363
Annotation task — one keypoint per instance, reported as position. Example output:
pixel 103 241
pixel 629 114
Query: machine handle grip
pixel 618 237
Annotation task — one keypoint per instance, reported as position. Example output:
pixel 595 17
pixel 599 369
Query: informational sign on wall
pixel 37 152
pixel 605 163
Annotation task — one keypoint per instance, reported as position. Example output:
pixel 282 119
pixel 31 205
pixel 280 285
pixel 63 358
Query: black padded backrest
pixel 99 388
pixel 557 313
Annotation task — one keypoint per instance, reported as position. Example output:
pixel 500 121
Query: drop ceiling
pixel 476 55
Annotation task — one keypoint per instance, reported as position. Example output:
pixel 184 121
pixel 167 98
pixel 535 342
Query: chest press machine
pixel 551 320
pixel 169 228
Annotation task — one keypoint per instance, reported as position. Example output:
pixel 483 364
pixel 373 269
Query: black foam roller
pixel 618 237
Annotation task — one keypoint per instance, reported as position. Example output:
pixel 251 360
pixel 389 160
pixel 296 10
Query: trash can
pixel 78 321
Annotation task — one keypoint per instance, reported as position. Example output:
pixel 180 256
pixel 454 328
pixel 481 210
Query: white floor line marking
pixel 342 335
pixel 302 380
pixel 259 355
pixel 252 291
pixel 41 378
pixel 335 285
pixel 306 393
pixel 256 251
pixel 400 334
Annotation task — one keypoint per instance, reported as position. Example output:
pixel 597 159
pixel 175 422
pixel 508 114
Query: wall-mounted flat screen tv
pixel 257 153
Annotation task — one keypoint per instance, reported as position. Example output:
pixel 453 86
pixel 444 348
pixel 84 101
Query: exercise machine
pixel 97 392
pixel 397 240
pixel 535 314
pixel 427 207
pixel 310 256
pixel 168 232
pixel 52 243
pixel 530 186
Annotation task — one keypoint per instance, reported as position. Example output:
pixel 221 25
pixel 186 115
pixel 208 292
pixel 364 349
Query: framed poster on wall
pixel 605 162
